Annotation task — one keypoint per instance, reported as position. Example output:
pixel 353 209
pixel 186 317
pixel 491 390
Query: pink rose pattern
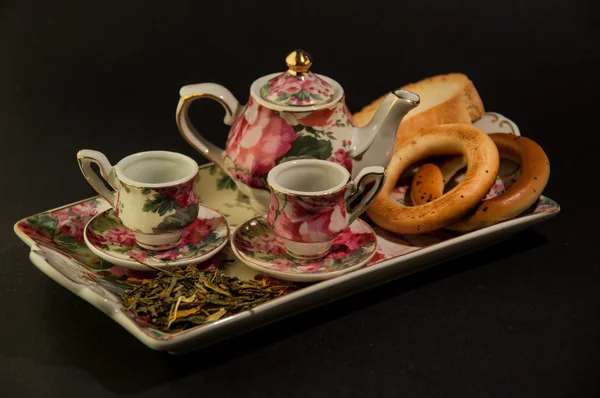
pixel 138 254
pixel 545 205
pixel 398 194
pixel 377 257
pixel 68 223
pixel 120 236
pixel 121 272
pixel 35 233
pixel 257 139
pixel 197 231
pixel 260 138
pixel 342 155
pixel 281 264
pixel 497 189
pixel 121 240
pixel 184 194
pixel 248 179
pixel 73 226
pixel 346 246
pixel 307 219
pixel 96 239
pixel 287 89
pixel 324 118
pixel 43 229
pixel 179 201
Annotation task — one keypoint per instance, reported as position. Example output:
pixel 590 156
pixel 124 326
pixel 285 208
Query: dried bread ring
pixel 445 139
pixel 535 172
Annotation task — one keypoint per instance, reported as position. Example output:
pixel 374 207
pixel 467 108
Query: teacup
pixel 313 201
pixel 154 193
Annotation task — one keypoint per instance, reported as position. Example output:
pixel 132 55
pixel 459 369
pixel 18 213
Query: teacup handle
pixel 85 158
pixel 215 92
pixel 374 174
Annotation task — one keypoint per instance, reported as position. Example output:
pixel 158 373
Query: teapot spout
pixel 374 143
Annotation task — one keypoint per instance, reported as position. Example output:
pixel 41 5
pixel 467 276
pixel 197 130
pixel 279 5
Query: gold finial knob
pixel 299 61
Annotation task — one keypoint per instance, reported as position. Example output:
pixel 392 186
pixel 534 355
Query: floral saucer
pixel 259 248
pixel 110 240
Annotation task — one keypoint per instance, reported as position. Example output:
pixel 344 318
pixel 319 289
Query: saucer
pixel 110 240
pixel 258 247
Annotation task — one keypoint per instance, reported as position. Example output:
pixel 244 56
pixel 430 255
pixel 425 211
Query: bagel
pixel 447 139
pixel 535 172
pixel 449 98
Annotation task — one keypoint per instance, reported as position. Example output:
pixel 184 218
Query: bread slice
pixel 450 98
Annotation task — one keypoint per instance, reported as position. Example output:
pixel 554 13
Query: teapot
pixel 292 115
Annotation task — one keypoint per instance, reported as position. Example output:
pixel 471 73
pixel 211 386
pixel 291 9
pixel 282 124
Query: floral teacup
pixel 154 193
pixel 313 201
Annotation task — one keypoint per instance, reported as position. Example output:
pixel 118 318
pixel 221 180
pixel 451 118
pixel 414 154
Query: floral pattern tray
pixel 58 249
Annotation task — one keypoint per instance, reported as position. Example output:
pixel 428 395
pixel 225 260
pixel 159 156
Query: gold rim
pixel 264 103
pixel 308 194
pixel 502 123
pixel 155 188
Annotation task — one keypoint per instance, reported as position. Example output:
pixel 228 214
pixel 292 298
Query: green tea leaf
pixel 217 315
pixel 183 298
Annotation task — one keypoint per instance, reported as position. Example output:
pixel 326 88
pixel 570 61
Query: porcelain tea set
pixel 292 149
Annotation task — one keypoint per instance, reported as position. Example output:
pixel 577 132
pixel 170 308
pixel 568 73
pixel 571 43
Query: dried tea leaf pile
pixel 177 300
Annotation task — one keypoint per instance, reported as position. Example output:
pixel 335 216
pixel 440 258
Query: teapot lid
pixel 298 86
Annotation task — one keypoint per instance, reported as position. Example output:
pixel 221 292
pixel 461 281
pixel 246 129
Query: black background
pixel 518 319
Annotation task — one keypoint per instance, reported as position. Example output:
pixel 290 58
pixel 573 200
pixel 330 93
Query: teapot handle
pixel 215 92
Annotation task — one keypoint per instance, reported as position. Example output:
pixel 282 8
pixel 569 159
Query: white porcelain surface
pixel 308 176
pixel 181 255
pixel 265 133
pixel 312 201
pixel 51 263
pixel 426 252
pixel 247 243
pixel 149 188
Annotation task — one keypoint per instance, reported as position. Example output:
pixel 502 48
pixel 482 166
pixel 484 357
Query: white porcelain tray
pixel 55 238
